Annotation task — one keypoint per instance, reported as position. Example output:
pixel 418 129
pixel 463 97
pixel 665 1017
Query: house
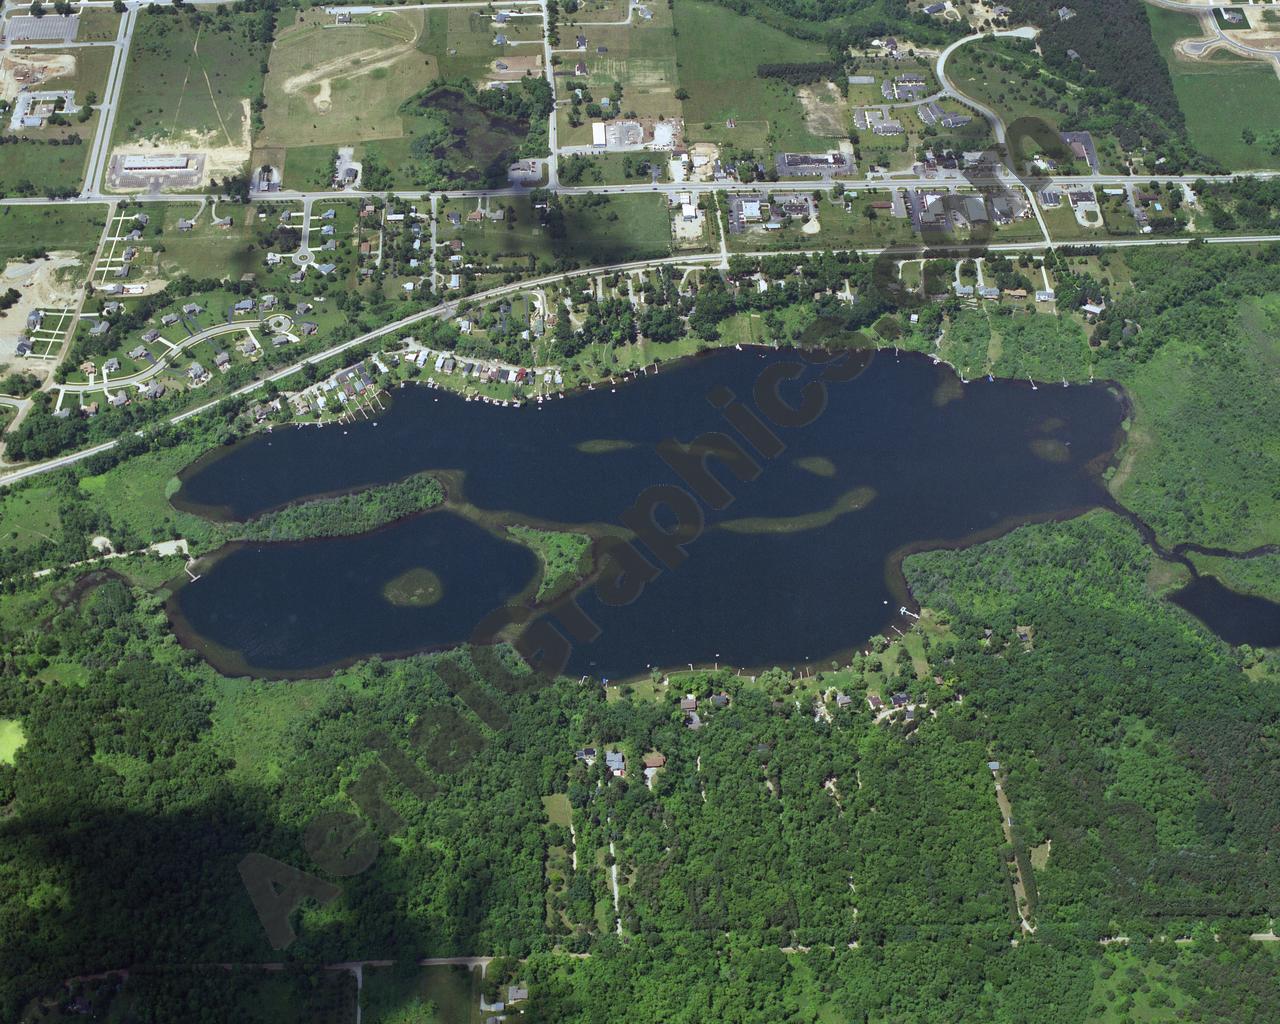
pixel 720 701
pixel 267 303
pixel 616 763
pixel 1045 295
pixel 222 360
pixel 1093 308
pixel 185 225
pixel 111 365
pixel 151 335
pixel 587 755
pixel 328 214
pixel 581 42
pixel 100 328
pixel 308 328
pixel 191 309
pixel 142 219
pixel 843 700
pixel 1065 14
pixel 935 8
pixel 169 319
pixel 243 306
pixel 118 399
pixel 326 268
pixel 517 993
pixel 874 701
pixel 689 703
pixel 154 391
pixel 197 372
pixel 899 699
pixel 138 353
pixel 247 347
pixel 993 765
pixel 454 218
pixel 653 759
pixel 580 68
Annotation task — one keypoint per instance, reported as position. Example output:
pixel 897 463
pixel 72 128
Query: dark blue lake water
pixel 942 462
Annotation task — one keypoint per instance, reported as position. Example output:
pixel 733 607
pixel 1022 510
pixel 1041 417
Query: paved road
pixel 948 87
pixel 136 380
pixel 448 308
pixel 100 153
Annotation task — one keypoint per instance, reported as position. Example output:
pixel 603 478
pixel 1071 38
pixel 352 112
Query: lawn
pixel 97 25
pixel 11 738
pixel 211 252
pixel 191 78
pixel 1220 98
pixel 717 53
pixel 597 229
pixel 841 225
pixel 558 810
pixel 29 229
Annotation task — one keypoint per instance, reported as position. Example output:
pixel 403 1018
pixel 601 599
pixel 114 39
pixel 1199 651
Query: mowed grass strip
pixel 1221 97
pixel 717 53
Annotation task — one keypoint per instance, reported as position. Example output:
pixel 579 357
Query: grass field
pixel 642 56
pixel 460 42
pixel 1220 98
pixel 97 25
pixel 33 167
pixel 28 517
pixel 558 810
pixel 191 77
pixel 717 53
pixel 137 493
pixel 1198 466
pixel 27 229
pixel 599 229
pixel 11 738
pixel 333 85
pixel 209 252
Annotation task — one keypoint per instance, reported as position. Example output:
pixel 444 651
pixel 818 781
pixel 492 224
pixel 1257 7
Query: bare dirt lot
pixel 826 112
pixel 50 283
pixel 219 160
pixel 29 70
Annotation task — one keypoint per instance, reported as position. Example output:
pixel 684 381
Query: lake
pixel 802 563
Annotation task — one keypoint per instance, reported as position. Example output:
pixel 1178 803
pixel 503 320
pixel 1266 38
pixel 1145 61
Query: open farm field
pixel 1222 98
pixel 190 82
pixel 717 53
